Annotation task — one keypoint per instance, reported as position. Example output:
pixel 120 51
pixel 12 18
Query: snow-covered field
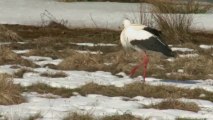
pixel 54 107
pixel 100 105
pixel 80 14
pixel 102 15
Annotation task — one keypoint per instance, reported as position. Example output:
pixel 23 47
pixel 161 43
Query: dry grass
pixel 45 43
pixel 122 117
pixel 77 116
pixel 55 43
pixel 189 119
pixel 7 35
pixel 175 104
pixel 20 72
pixel 130 90
pixel 174 19
pixel 174 27
pixel 135 89
pixel 119 62
pixel 190 6
pixel 127 1
pixel 34 117
pixel 7 56
pixel 102 0
pixel 51 52
pixel 54 75
pixel 9 93
pixel 44 89
pixel 71 35
pixel 86 62
pixel 194 68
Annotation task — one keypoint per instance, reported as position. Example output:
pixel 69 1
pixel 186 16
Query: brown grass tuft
pixel 51 52
pixel 34 117
pixel 190 6
pixel 7 56
pixel 44 89
pixel 7 35
pixel 78 61
pixel 189 118
pixel 176 28
pixel 130 90
pixel 9 93
pixel 193 67
pixel 176 104
pixel 121 117
pixel 54 75
pixel 77 116
pixel 20 72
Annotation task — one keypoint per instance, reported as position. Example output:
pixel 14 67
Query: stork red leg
pixel 145 62
pixel 135 68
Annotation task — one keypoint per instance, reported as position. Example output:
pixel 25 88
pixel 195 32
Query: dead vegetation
pixel 86 62
pixel 175 104
pixel 7 35
pixel 71 35
pixel 130 90
pixel 44 89
pixel 189 118
pixel 54 75
pixel 9 93
pixel 7 56
pixel 113 61
pixel 174 27
pixel 20 72
pixel 34 117
pixel 78 116
pixel 187 7
pixel 174 19
pixel 102 0
pixel 193 68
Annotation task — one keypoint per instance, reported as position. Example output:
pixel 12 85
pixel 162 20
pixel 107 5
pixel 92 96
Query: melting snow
pixel 206 46
pixel 99 105
pixel 182 49
pixel 189 55
pixel 55 107
pixel 95 14
pixel 105 15
pixel 39 60
pixel 21 51
pixel 94 44
pixel 5 43
pixel 90 52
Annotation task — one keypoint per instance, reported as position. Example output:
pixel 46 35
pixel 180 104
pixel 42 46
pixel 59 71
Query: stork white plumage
pixel 142 38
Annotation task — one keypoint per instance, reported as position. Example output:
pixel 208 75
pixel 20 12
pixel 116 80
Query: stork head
pixel 126 23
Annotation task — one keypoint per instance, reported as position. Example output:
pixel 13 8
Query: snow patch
pixel 100 105
pixel 95 44
pixel 182 49
pixel 206 46
pixel 21 51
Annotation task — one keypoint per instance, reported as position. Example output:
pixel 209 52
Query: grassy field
pixel 59 42
pixel 55 42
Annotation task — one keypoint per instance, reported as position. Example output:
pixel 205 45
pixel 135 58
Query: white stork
pixel 142 38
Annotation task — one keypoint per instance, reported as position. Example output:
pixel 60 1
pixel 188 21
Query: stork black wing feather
pixel 153 44
pixel 153 31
